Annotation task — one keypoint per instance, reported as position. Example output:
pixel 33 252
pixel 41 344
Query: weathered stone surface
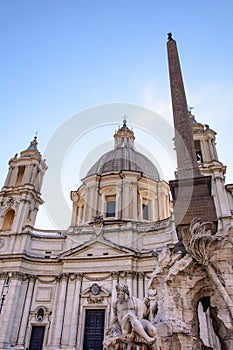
pixel 200 277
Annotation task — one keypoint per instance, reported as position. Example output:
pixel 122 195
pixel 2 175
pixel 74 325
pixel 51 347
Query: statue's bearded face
pixel 121 296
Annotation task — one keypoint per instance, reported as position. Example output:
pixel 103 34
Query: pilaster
pixel 25 316
pixel 115 280
pixel 141 292
pixel 58 312
pixel 75 311
pixel 9 311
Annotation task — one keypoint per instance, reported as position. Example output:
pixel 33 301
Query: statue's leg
pixel 139 329
pixel 126 326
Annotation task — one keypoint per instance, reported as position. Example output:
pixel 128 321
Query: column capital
pixel 115 274
pixel 18 275
pixel 62 276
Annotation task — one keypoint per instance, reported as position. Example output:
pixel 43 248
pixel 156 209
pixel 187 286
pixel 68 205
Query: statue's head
pixel 121 287
pixel 122 292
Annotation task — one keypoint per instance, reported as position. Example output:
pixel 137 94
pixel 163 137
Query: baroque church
pixel 163 246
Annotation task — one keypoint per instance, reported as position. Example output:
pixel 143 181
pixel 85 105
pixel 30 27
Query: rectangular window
pixel 111 209
pixel 145 212
pixel 110 206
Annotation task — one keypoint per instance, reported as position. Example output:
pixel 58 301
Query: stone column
pixel 14 173
pixel 40 180
pixel 91 202
pixel 134 200
pixel 86 207
pixel 2 280
pixel 80 214
pixel 102 205
pixel 19 311
pixel 146 280
pixel 160 204
pixel 53 315
pixel 135 284
pixel 21 215
pixel 27 174
pixel 155 206
pixel 75 311
pixel 94 200
pixel 68 311
pixel 140 208
pixel 33 216
pixel 126 199
pixel 9 311
pixel 115 279
pixel 74 218
pixel 221 199
pixel 129 281
pixel 141 292
pixel 153 210
pixel 60 304
pixel 8 178
pixel 32 179
pixel 204 151
pixel 211 149
pixel 26 311
pixel 214 149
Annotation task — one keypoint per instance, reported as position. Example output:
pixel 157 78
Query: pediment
pixel 97 248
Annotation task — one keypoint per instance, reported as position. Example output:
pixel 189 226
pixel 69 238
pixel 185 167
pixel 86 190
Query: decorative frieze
pixel 95 300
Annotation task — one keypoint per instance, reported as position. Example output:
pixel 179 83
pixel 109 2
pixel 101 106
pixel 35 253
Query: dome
pixel 124 158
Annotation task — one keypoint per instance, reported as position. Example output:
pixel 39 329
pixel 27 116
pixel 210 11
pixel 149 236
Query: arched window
pixel 8 219
pixel 40 314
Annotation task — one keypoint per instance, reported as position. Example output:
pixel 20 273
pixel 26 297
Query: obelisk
pixel 191 191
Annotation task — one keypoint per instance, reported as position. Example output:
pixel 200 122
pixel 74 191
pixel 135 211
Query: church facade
pixel 169 242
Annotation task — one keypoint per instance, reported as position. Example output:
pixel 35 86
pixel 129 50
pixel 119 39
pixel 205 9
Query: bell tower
pixel 20 196
pixel 209 165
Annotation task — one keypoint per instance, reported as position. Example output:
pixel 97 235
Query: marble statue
pixel 130 325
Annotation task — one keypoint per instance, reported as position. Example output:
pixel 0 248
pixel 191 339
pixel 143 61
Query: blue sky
pixel 62 57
